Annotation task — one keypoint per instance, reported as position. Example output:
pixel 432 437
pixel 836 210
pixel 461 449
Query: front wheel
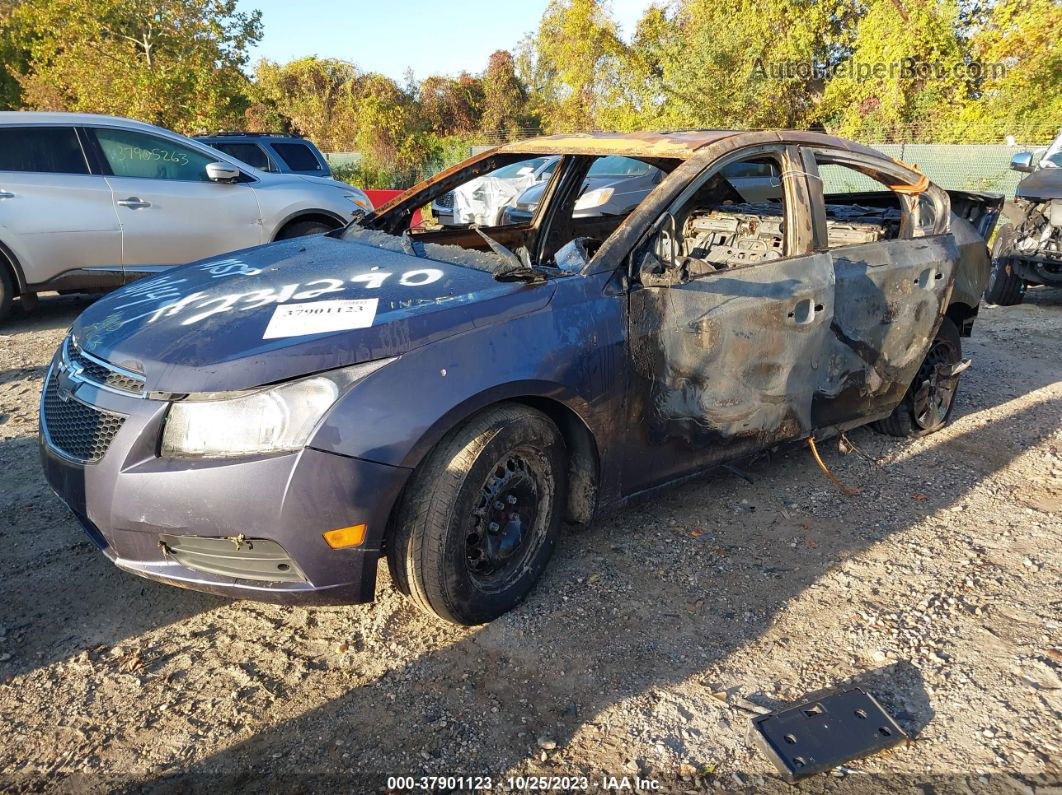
pixel 1005 287
pixel 7 292
pixel 303 228
pixel 927 406
pixel 478 523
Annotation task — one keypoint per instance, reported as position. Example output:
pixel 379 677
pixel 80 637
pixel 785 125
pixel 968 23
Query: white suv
pixel 91 202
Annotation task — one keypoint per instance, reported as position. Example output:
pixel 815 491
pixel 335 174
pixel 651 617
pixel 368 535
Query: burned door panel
pixel 891 296
pixel 725 364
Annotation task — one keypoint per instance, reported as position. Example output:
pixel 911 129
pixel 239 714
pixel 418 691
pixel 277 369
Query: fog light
pixel 345 536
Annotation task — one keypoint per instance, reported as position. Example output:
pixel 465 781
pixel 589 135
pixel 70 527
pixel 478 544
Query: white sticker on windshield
pixel 318 317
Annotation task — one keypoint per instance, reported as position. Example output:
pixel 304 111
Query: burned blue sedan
pixel 271 423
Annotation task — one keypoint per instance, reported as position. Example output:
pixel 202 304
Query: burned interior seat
pixel 732 235
pixel 852 224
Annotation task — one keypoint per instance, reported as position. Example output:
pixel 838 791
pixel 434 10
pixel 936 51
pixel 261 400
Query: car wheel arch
pixel 319 216
pixel 963 316
pixel 9 261
pixel 584 471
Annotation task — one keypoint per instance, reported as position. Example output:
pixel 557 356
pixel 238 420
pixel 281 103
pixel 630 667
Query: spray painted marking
pixel 198 306
pixel 318 317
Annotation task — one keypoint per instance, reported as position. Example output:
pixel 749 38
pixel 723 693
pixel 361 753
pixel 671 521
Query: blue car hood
pixel 279 311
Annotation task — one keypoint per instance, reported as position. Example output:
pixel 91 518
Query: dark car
pixel 269 424
pixel 283 154
pixel 1029 252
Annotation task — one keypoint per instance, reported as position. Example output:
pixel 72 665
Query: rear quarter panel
pixel 974 265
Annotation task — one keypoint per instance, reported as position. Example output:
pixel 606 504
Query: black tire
pixel 7 291
pixel 448 550
pixel 303 228
pixel 1005 288
pixel 927 406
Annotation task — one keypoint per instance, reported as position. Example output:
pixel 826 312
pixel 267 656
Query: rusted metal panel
pixel 680 145
pixel 891 296
pixel 727 361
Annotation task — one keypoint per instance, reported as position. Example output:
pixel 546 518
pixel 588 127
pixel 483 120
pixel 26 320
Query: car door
pixel 894 266
pixel 726 328
pixel 170 212
pixel 54 215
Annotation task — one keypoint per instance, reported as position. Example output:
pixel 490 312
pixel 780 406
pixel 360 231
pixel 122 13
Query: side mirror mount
pixel 1022 162
pixel 660 264
pixel 222 172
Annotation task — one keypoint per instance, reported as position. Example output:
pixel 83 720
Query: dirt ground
pixel 937 589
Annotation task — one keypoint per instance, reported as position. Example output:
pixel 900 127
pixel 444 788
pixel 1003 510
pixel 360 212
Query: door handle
pixel 133 202
pixel 6 195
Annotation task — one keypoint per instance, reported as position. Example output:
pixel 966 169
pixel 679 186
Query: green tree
pixel 1024 97
pixel 893 34
pixel 14 58
pixel 449 106
pixel 315 97
pixel 741 63
pixel 571 63
pixel 504 96
pixel 176 63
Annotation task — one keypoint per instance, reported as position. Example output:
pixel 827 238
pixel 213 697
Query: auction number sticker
pixel 318 317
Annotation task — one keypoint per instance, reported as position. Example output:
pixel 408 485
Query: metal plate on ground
pixel 819 735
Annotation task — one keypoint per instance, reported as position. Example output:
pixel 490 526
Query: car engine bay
pixel 1040 234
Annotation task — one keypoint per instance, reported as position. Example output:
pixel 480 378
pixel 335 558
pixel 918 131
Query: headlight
pixel 361 201
pixel 594 198
pixel 274 420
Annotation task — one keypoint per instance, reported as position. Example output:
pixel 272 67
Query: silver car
pixel 91 202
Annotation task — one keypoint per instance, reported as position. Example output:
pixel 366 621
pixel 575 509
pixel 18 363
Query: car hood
pixel 1045 183
pixel 331 182
pixel 533 195
pixel 279 311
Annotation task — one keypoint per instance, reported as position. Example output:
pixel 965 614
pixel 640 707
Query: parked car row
pixel 92 202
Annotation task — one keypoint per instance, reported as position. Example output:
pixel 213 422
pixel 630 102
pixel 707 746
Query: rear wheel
pixel 7 291
pixel 1005 287
pixel 479 521
pixel 927 406
pixel 303 228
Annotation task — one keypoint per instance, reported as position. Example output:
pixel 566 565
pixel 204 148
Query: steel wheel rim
pixel 935 393
pixel 508 519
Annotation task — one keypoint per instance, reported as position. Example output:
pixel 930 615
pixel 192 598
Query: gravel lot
pixel 937 588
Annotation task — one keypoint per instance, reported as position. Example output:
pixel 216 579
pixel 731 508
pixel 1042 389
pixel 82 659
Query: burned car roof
pixel 641 144
pixel 679 144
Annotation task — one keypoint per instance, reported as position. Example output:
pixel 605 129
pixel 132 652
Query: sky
pixel 430 37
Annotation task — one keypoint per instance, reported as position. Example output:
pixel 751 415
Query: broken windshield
pixel 470 258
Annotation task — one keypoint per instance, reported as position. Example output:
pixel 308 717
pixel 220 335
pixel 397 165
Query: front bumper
pixel 130 499
pixel 1037 269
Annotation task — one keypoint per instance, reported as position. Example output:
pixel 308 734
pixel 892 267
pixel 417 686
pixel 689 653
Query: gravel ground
pixel 936 588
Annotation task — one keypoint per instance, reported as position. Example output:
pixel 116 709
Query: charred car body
pixel 1029 252
pixel 269 424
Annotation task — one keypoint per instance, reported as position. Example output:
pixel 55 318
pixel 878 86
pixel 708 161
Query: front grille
pixel 238 556
pixel 100 372
pixel 446 200
pixel 75 429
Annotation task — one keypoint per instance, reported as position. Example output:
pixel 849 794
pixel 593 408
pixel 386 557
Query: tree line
pixel 971 71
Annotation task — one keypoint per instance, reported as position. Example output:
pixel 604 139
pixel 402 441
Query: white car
pixel 92 202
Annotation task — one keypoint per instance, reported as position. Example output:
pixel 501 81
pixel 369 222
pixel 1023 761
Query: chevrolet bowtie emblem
pixel 66 383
